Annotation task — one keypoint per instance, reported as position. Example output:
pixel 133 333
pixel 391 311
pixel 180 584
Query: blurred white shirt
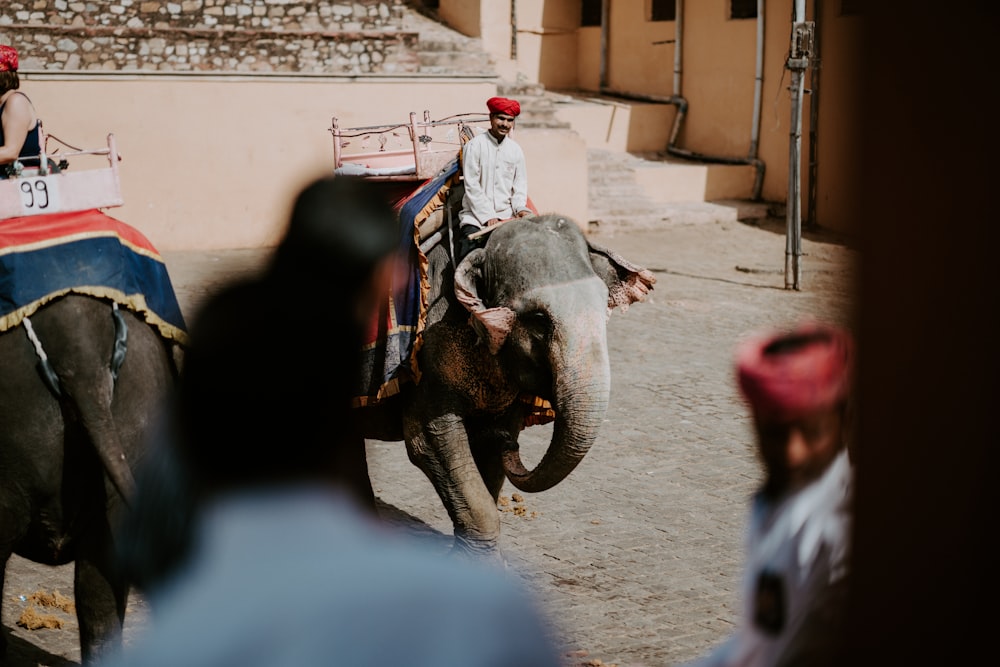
pixel 795 578
pixel 294 577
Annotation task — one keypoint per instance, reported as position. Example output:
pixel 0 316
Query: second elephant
pixel 522 318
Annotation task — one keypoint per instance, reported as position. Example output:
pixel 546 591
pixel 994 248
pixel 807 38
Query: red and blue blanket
pixel 43 257
pixel 387 357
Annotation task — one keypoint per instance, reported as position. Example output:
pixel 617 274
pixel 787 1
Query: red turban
pixel 8 58
pixel 795 373
pixel 503 105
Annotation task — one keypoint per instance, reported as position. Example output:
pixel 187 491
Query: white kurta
pixel 795 578
pixel 496 180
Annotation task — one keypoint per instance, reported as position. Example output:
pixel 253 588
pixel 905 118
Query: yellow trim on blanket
pixel 69 238
pixel 440 199
pixel 136 303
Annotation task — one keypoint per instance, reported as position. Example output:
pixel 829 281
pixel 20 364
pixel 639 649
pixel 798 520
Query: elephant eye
pixel 537 323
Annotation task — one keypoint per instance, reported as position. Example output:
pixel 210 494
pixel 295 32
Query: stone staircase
pixel 443 51
pixel 618 202
pixel 538 106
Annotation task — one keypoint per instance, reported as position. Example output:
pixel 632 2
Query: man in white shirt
pixel 494 173
pixel 797 544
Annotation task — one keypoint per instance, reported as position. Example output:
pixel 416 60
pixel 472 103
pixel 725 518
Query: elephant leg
pixel 488 439
pixel 440 448
pixel 101 596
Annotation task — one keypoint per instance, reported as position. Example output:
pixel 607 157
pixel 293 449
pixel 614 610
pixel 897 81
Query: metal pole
pixel 793 215
pixel 513 29
pixel 798 60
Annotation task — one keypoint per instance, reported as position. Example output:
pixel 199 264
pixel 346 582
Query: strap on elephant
pixel 121 342
pixel 48 373
pixel 45 369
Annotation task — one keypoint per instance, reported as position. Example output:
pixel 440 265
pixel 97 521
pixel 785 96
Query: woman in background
pixel 20 128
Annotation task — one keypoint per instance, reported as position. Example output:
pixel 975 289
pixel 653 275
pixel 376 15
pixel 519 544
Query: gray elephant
pixel 521 319
pixel 71 429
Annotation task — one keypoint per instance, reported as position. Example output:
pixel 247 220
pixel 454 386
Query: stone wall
pixel 290 36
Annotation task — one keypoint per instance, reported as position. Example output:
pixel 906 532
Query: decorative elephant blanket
pixel 388 353
pixel 43 257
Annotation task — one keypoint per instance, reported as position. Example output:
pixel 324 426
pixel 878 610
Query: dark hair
pixel 9 81
pixel 339 229
pixel 274 362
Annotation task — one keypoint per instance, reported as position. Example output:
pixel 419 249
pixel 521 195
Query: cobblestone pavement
pixel 636 555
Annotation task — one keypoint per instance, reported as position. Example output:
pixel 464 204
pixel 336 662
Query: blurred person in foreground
pixel 795 581
pixel 259 555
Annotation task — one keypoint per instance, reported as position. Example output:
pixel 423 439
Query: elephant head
pixel 539 296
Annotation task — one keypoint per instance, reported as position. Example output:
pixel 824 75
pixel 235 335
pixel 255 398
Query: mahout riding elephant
pixel 520 319
pixel 70 437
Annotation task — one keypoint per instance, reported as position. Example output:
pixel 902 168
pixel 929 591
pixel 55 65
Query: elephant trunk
pixel 582 388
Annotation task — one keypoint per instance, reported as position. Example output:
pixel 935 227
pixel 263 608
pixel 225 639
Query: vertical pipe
pixel 678 46
pixel 513 30
pixel 605 15
pixel 811 219
pixel 757 81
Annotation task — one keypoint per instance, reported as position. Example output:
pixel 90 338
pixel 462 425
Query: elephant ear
pixel 627 282
pixel 491 324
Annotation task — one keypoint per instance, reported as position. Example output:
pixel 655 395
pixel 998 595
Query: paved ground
pixel 636 556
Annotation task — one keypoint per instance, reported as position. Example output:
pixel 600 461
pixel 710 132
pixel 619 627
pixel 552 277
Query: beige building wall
pixel 588 64
pixel 464 16
pixel 213 162
pixel 637 59
pixel 557 171
pixel 717 80
pixel 541 47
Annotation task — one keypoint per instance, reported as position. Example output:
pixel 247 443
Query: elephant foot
pixel 478 552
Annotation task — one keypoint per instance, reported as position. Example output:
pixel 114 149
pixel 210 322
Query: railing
pixel 47 189
pixel 417 150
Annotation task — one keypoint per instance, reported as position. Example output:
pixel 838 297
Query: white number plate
pixel 39 194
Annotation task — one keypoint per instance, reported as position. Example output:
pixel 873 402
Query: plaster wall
pixel 543 48
pixel 609 125
pixel 588 64
pixel 718 82
pixel 637 59
pixel 213 162
pixel 547 38
pixel 464 16
pixel 557 172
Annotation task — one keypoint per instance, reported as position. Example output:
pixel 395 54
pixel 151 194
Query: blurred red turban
pixel 503 105
pixel 8 58
pixel 795 373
